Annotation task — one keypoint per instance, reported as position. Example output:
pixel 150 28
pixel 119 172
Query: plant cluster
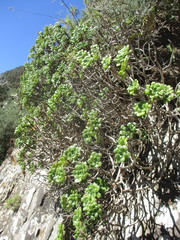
pixel 85 204
pixel 98 106
pixel 13 203
pixel 154 91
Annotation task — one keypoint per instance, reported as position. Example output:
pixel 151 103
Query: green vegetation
pixel 9 109
pixel 133 87
pixel 98 106
pixel 13 203
pixel 61 232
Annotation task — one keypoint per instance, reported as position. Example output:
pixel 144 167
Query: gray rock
pixel 35 218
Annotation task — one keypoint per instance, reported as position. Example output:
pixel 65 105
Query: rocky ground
pixel 36 217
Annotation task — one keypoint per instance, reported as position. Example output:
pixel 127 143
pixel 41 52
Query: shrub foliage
pixel 100 111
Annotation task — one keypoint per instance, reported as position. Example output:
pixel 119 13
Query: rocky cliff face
pixel 35 217
pixel 34 214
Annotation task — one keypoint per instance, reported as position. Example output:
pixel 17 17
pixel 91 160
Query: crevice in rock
pixel 50 233
pixel 43 200
pixel 25 220
pixel 38 232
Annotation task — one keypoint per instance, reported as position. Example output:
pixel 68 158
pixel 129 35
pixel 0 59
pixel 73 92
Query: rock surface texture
pixel 37 216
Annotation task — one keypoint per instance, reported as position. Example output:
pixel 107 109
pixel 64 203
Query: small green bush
pixel 13 203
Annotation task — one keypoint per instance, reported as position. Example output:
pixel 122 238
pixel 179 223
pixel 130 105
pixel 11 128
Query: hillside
pixel 9 109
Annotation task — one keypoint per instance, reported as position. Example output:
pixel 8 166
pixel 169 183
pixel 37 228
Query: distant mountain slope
pixel 9 80
pixel 9 83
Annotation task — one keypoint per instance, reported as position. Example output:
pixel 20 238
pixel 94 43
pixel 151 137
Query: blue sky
pixel 19 27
